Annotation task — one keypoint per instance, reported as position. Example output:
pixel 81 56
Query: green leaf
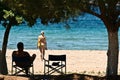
pixel 19 19
pixel 8 14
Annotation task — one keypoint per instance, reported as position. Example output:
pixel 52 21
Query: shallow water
pixel 85 33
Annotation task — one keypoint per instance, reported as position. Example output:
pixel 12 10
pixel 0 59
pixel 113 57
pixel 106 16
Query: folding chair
pixel 55 63
pixel 17 69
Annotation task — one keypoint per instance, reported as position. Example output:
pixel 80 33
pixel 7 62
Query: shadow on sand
pixel 71 77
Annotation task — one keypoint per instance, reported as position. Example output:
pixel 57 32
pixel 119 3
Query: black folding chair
pixel 16 69
pixel 55 63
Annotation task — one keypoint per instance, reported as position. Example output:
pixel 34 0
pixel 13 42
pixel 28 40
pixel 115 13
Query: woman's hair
pixel 42 32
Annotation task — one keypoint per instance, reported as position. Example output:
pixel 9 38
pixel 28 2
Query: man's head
pixel 20 46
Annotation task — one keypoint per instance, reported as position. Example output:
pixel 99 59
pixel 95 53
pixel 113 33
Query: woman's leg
pixel 40 48
pixel 41 53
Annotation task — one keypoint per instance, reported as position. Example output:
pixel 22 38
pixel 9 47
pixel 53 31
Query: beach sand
pixel 78 61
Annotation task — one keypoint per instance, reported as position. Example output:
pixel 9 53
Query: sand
pixel 78 61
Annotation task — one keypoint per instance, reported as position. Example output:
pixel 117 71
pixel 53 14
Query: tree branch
pixel 91 12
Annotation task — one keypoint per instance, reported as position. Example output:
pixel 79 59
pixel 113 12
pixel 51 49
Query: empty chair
pixel 55 63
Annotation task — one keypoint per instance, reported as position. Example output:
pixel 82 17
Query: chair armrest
pixel 46 61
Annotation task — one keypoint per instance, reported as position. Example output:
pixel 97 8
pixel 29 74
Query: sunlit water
pixel 85 33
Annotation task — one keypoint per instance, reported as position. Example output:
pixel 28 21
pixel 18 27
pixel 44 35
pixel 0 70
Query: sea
pixel 85 32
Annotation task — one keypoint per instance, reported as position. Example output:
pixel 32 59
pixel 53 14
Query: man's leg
pixel 26 71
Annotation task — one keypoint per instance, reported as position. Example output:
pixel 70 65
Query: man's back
pixel 20 54
pixel 21 59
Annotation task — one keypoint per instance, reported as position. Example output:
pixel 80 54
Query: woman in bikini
pixel 42 44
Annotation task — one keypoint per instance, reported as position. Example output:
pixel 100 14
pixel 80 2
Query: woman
pixel 42 44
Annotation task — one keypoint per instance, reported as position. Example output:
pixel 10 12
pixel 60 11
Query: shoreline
pixel 91 62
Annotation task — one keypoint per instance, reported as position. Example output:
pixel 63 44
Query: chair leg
pixel 32 70
pixel 12 70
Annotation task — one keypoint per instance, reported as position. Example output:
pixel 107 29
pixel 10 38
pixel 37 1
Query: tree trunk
pixel 113 52
pixel 3 63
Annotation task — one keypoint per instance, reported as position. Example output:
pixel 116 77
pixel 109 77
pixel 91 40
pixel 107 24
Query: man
pixel 26 61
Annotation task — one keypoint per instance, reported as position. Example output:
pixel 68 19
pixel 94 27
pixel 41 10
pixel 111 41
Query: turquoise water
pixel 85 33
